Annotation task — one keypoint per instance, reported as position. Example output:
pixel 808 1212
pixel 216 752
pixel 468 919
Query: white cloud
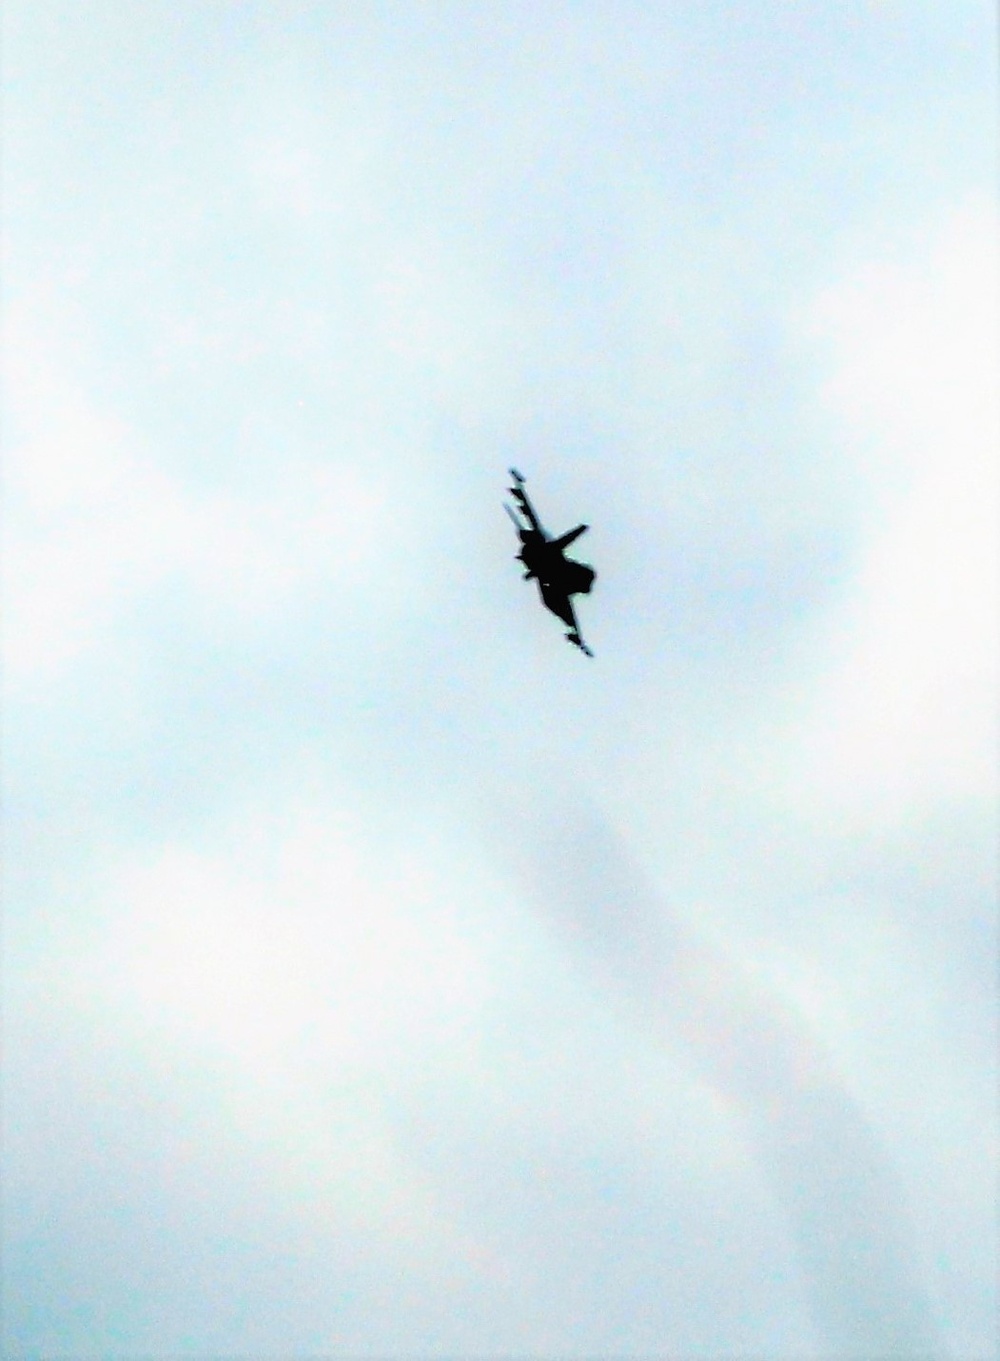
pixel 897 707
pixel 94 522
pixel 317 983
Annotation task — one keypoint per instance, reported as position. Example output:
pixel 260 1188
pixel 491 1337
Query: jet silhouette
pixel 559 578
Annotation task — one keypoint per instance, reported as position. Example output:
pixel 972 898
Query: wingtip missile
pixel 577 641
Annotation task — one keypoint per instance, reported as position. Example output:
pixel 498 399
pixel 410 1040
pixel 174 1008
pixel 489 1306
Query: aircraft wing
pixel 524 505
pixel 559 602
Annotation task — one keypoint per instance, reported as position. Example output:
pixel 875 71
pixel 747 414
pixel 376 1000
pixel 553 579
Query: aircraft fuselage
pixel 559 578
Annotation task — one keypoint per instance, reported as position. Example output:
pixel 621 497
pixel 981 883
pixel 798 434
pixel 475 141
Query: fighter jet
pixel 559 578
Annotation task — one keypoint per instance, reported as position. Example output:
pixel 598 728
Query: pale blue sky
pixel 380 975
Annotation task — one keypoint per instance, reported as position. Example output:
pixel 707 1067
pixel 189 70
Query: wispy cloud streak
pixel 810 1138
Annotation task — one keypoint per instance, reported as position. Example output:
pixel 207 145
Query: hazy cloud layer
pixel 381 976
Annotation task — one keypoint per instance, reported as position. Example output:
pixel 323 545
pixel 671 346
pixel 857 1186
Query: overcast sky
pixel 381 975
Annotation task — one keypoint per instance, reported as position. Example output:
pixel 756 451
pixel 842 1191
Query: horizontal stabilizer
pixel 570 536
